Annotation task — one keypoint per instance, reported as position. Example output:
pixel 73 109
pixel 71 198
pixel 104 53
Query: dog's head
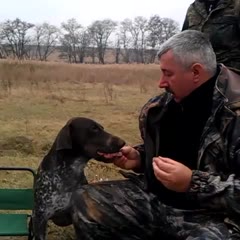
pixel 89 138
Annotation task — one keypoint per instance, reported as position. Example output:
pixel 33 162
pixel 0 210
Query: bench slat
pixel 14 225
pixel 16 199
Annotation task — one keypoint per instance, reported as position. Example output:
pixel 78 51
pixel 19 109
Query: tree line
pixel 131 40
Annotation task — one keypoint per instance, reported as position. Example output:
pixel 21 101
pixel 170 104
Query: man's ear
pixel 197 70
pixel 64 140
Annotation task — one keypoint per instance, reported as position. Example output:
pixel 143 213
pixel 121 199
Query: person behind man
pixel 190 157
pixel 220 21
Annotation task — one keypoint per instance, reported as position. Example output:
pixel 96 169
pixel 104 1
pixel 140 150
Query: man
pixel 190 157
pixel 220 21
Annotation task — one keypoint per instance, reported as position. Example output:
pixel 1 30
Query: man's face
pixel 175 78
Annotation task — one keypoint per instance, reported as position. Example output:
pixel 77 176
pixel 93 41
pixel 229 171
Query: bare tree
pixel 100 32
pixel 134 30
pixel 46 37
pixel 117 47
pixel 3 50
pixel 138 29
pixel 70 40
pixel 154 36
pixel 92 49
pixel 169 28
pixel 74 41
pixel 135 40
pixel 125 39
pixel 159 30
pixel 141 26
pixel 84 42
pixel 15 34
pixel 67 50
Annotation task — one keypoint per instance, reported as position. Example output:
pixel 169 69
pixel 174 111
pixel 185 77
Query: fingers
pixel 120 162
pixel 160 174
pixel 163 165
pixel 126 150
pixel 167 160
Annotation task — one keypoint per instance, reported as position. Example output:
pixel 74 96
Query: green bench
pixel 14 223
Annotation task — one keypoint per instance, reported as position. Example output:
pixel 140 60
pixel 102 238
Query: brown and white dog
pixel 61 171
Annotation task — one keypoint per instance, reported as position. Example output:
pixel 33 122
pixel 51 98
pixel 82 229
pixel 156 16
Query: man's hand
pixel 129 160
pixel 173 175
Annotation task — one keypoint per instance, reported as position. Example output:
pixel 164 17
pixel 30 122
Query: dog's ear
pixel 64 140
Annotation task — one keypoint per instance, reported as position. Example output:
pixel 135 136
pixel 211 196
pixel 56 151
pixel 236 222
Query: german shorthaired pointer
pixel 61 171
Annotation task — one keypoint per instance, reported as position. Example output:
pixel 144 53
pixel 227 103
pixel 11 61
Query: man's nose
pixel 162 83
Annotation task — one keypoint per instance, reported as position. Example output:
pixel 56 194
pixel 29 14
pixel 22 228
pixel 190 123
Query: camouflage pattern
pixel 123 210
pixel 222 26
pixel 126 209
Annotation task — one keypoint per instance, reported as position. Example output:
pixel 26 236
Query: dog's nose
pixel 121 142
pixel 115 143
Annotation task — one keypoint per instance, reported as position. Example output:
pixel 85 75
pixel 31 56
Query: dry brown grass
pixel 36 100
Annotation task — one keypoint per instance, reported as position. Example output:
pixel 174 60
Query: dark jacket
pixel 222 26
pixel 216 178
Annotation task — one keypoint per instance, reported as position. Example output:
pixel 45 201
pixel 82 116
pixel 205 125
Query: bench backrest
pixel 16 198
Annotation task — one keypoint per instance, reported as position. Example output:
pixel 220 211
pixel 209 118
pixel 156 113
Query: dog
pixel 61 171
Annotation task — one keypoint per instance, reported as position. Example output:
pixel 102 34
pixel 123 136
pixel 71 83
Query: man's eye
pixel 167 74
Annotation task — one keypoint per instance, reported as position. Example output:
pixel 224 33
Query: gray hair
pixel 189 47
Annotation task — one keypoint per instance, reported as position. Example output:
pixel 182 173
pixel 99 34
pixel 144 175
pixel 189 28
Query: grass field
pixel 37 99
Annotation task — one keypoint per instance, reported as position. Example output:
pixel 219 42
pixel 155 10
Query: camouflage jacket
pixel 222 26
pixel 216 181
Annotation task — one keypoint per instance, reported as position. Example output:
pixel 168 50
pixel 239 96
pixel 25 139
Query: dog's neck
pixel 78 165
pixel 73 174
pixel 67 166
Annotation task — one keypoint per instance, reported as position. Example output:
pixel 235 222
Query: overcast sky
pixel 87 11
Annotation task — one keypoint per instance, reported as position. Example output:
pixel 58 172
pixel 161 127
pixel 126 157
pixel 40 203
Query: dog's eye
pixel 95 128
